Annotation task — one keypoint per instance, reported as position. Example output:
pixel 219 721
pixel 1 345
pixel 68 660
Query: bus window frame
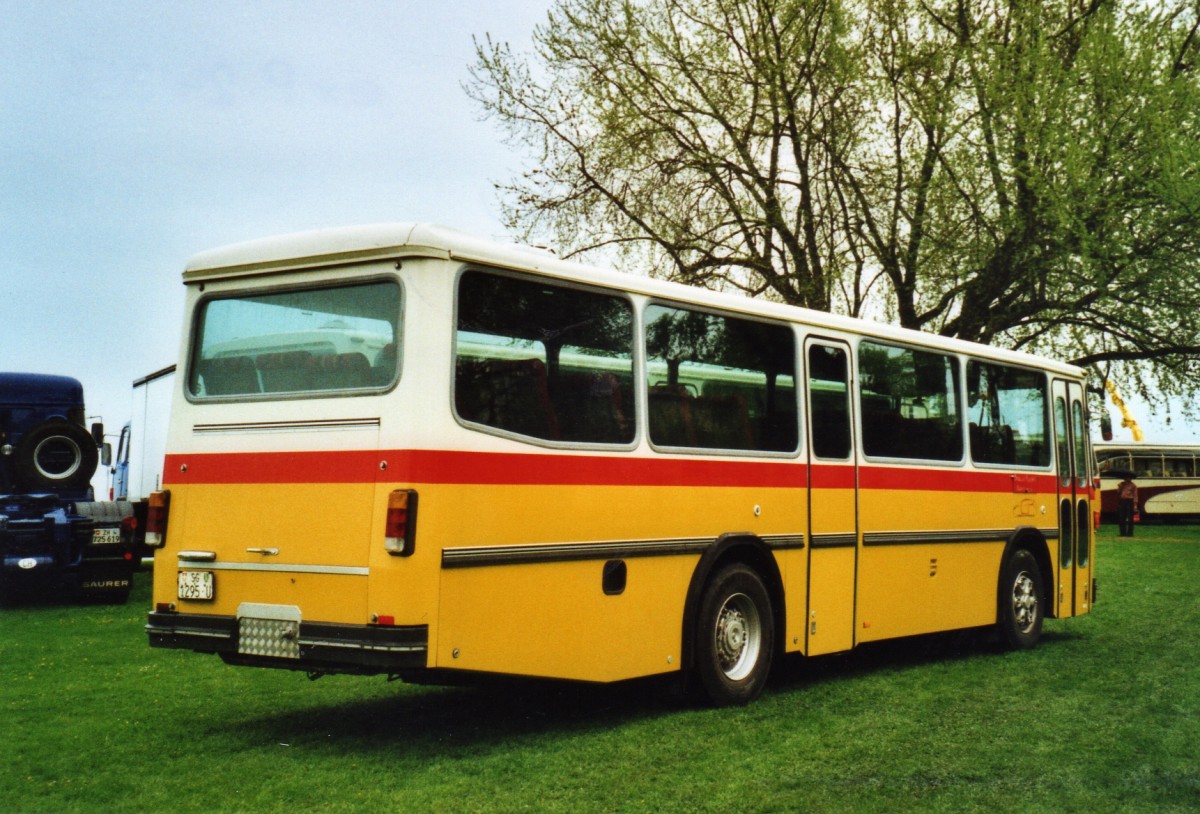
pixel 844 345
pixel 798 369
pixel 1047 417
pixel 1189 458
pixel 959 360
pixel 558 282
pixel 200 309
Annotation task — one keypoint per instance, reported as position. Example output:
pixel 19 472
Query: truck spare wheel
pixel 55 455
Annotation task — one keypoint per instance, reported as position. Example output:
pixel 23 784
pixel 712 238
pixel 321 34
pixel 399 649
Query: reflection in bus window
pixel 829 396
pixel 545 361
pixel 1107 462
pixel 1079 435
pixel 719 382
pixel 1148 466
pixel 1007 415
pixel 1179 465
pixel 909 403
pixel 298 341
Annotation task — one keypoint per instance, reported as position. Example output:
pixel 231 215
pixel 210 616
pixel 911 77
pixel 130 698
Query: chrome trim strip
pixel 197 556
pixel 526 554
pixel 290 568
pixel 288 426
pixel 384 648
pixel 189 631
pixel 847 539
pixel 564 552
pixel 884 538
pixel 783 541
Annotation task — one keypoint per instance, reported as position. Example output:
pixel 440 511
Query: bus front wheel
pixel 735 635
pixel 1021 594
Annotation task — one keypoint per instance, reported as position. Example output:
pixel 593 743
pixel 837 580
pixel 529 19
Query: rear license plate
pixel 106 536
pixel 195 584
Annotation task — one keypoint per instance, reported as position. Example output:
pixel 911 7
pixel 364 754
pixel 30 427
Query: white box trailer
pixel 143 443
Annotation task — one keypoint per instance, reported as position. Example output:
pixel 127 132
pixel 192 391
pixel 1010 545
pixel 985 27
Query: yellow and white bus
pixel 400 450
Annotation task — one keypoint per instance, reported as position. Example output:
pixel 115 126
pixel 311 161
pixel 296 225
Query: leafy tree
pixel 1019 172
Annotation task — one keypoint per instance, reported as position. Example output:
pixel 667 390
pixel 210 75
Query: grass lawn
pixel 1103 715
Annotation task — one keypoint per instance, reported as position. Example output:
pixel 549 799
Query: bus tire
pixel 55 455
pixel 734 636
pixel 1021 595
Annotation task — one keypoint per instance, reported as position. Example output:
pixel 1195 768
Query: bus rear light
pixel 401 523
pixel 157 506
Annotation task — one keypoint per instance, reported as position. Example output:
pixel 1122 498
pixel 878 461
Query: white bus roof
pixel 388 241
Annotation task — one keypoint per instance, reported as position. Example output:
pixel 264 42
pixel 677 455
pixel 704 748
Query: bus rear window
pixel 313 340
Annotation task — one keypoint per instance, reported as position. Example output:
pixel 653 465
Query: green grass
pixel 1104 715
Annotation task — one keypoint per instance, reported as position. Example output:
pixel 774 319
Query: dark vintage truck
pixel 55 538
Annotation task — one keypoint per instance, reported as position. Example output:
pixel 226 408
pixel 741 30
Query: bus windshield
pixel 297 341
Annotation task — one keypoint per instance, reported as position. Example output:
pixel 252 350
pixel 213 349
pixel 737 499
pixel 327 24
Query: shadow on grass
pixel 430 722
pixel 914 651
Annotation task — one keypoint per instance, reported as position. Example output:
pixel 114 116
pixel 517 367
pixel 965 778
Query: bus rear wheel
pixel 734 636
pixel 1021 594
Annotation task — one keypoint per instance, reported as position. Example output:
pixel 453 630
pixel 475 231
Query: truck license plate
pixel 106 536
pixel 195 584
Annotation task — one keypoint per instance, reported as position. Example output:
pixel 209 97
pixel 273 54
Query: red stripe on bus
pixel 953 480
pixel 459 467
pixel 357 466
pixel 832 476
pixel 455 467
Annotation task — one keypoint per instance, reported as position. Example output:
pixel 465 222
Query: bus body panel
pixel 555 620
pixel 928 546
pixel 290 544
pixel 524 564
pixel 913 589
pixel 832 564
pixel 1172 502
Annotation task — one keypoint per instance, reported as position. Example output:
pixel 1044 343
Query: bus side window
pixel 910 404
pixel 720 382
pixel 544 361
pixel 1008 419
pixel 828 374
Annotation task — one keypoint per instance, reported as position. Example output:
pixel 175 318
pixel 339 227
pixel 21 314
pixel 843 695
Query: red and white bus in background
pixel 1167 478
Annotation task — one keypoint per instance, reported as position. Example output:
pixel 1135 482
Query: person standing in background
pixel 1127 493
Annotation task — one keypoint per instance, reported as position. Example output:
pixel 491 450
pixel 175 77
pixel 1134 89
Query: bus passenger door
pixel 832 499
pixel 1074 501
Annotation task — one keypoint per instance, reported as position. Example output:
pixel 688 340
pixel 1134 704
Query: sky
pixel 135 134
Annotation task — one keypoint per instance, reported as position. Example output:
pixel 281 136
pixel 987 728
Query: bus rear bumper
pixel 317 647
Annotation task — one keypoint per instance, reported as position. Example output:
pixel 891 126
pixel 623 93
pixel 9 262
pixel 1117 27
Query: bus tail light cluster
pixel 399 536
pixel 157 506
